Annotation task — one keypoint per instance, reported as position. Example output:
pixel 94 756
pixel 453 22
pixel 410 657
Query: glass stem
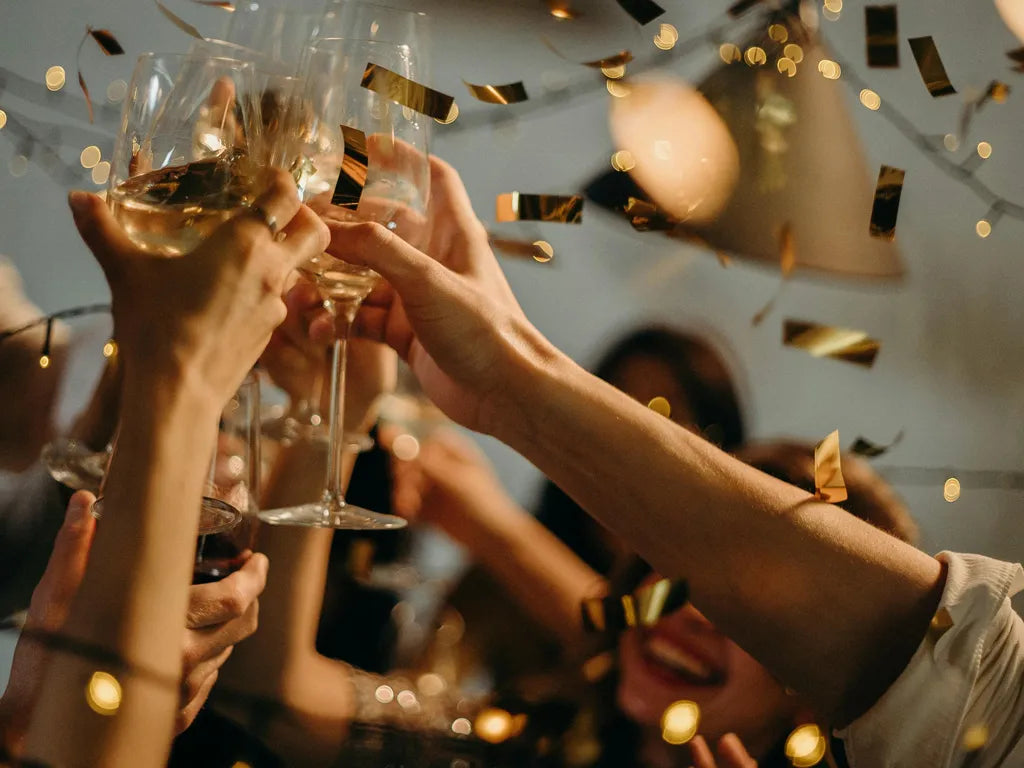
pixel 344 312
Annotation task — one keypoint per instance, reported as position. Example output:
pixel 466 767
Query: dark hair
pixel 713 405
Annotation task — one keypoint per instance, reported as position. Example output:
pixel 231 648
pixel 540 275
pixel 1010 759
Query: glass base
pixel 75 465
pixel 288 429
pixel 343 517
pixel 215 516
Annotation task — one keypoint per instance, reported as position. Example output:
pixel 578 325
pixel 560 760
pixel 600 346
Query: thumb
pixel 104 236
pixel 52 597
pixel 415 276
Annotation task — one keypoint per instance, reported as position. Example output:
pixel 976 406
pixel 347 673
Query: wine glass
pixel 356 136
pixel 278 29
pixel 188 157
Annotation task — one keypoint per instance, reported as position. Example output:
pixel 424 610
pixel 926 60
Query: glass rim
pixel 355 4
pixel 154 55
pixel 320 43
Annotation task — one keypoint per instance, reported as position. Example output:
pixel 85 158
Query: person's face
pixel 644 378
pixel 684 657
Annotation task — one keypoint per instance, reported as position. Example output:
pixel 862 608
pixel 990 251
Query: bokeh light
pixel 951 490
pixel 661 405
pixel 55 78
pixel 103 693
pixel 730 52
pixel 116 91
pixel 385 694
pixel 493 725
pixel 794 52
pixel 543 252
pixel 806 746
pixel 90 156
pixel 829 69
pixel 983 228
pixel 462 726
pixel 870 99
pixel 755 56
pixel 623 160
pixel 405 447
pixel 679 722
pixel 101 172
pixel 984 150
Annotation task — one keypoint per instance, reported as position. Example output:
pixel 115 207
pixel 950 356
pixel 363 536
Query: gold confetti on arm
pixel 828 473
pixel 512 93
pixel 408 93
pixel 642 11
pixel 886 206
pixel 354 164
pixel 844 344
pixel 929 64
pixel 641 608
pixel 518 206
pixel 882 32
pixel 620 59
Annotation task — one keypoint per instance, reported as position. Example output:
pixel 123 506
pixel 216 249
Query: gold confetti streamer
pixel 538 250
pixel 518 206
pixel 108 44
pixel 828 473
pixel 882 33
pixel 352 177
pixel 864 447
pixel 408 93
pixel 512 93
pixel 827 341
pixel 642 11
pixel 621 58
pixel 929 63
pixel 787 263
pixel 886 206
pixel 179 22
pixel 1017 57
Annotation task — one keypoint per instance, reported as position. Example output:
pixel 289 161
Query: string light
pixel 870 99
pixel 984 150
pixel 103 693
pixel 951 490
pixel 983 228
pixel 110 348
pixel 462 726
pixel 385 694
pixel 679 722
pixel 55 78
pixel 493 725
pixel 806 746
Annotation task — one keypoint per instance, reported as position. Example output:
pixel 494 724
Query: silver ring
pixel 268 219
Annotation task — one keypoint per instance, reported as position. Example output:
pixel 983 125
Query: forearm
pixel 807 589
pixel 133 597
pixel 543 575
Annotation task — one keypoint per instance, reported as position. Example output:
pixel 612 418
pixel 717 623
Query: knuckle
pixel 234 602
pixel 280 182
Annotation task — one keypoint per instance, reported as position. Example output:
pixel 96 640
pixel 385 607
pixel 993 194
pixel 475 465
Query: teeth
pixel 677 659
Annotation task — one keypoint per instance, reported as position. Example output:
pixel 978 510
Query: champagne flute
pixel 394 160
pixel 187 159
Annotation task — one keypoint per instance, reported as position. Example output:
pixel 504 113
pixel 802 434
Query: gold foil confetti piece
pixel 941 623
pixel 975 737
pixel 512 93
pixel 723 259
pixel 643 607
pixel 742 6
pixel 540 251
pixel 222 4
pixel 561 10
pixel 661 405
pixel 787 263
pixel 1016 56
pixel 679 722
pixel 864 447
pixel 642 11
pixel 518 206
pixel 452 116
pixel 951 490
pixel 352 177
pixel 929 63
pixel 106 41
pixel 109 45
pixel 179 22
pixel 828 472
pixel 886 206
pixel 882 33
pixel 408 93
pixel 827 341
pixel 806 746
pixel 645 216
pixel 620 59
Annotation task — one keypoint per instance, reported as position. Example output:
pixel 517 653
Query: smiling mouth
pixel 669 657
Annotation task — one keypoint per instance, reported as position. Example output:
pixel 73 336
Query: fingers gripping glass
pixel 393 193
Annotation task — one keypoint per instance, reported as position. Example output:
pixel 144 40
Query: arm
pixel 189 329
pixel 450 485
pixel 809 591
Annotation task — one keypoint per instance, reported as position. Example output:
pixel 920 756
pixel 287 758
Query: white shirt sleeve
pixel 967 674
